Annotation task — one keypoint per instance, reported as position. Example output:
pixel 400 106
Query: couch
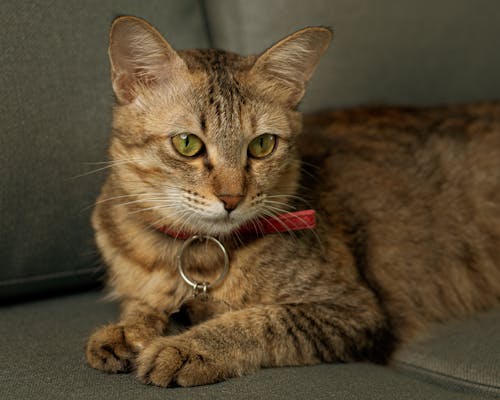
pixel 55 116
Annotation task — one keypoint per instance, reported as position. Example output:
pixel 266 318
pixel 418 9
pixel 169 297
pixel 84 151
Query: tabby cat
pixel 206 141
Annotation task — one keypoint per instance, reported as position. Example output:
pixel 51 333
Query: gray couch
pixel 55 114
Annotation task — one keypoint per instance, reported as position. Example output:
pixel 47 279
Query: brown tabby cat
pixel 204 141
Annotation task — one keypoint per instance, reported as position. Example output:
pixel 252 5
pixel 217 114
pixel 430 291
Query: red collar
pixel 295 221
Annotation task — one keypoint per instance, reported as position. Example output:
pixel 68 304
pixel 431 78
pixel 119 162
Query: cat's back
pixel 425 151
pixel 419 191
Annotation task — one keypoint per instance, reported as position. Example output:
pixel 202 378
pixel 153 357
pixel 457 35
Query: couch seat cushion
pixel 42 357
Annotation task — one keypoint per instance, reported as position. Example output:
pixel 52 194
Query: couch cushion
pixel 55 117
pixel 386 51
pixel 463 352
pixel 42 357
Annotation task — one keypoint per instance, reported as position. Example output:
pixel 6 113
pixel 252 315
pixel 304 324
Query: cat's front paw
pixel 171 361
pixel 113 348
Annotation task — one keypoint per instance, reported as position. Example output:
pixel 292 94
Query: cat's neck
pixel 294 221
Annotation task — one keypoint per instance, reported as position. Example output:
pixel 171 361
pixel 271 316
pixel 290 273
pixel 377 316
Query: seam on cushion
pixel 486 387
pixel 54 275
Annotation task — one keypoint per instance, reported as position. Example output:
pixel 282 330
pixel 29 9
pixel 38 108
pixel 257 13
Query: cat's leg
pixel 240 342
pixel 114 347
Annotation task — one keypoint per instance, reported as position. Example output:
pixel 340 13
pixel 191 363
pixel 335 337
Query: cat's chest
pixel 263 271
pixel 224 280
pixel 215 284
pixel 236 290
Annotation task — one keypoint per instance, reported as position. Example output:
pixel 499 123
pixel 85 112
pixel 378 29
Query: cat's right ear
pixel 139 57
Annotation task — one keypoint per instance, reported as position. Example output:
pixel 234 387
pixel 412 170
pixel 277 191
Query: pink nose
pixel 230 201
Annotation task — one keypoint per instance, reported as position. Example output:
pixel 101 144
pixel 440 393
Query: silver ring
pixel 203 285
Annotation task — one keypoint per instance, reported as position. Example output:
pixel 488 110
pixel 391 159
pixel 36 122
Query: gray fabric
pixel 55 115
pixel 386 51
pixel 41 357
pixel 467 353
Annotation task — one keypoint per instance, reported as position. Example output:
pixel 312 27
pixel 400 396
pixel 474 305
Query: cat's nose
pixel 230 201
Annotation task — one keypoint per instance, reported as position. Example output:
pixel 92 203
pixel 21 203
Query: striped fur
pixel 408 204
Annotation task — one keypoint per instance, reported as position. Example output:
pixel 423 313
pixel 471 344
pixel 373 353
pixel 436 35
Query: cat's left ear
pixel 140 56
pixel 284 69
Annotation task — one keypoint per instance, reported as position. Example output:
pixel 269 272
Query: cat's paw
pixel 169 361
pixel 113 348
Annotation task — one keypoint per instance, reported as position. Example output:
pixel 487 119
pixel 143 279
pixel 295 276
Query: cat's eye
pixel 262 145
pixel 187 144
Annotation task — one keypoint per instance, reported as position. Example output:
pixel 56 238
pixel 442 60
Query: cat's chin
pixel 221 225
pixel 218 226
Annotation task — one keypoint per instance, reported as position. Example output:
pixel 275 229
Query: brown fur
pixel 408 203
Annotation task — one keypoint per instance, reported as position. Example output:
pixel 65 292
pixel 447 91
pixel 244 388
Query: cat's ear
pixel 139 55
pixel 284 69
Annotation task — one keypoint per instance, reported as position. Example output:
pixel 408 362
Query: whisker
pixel 146 197
pixel 315 166
pixel 238 236
pixel 273 216
pixel 160 221
pixel 280 203
pixel 257 226
pixel 294 197
pixel 129 195
pixel 163 206
pixel 185 217
pixel 274 208
pixel 111 161
pixel 146 200
pixel 187 220
pixel 318 239
pixel 111 165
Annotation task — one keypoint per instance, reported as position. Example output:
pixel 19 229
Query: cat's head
pixel 205 139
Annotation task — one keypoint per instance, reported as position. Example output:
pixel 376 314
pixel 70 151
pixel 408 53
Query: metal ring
pixel 204 285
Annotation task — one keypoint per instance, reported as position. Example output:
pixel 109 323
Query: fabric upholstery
pixel 386 51
pixel 42 357
pixel 55 116
pixel 463 352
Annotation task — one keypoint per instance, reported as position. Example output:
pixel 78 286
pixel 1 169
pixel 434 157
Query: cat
pixel 206 141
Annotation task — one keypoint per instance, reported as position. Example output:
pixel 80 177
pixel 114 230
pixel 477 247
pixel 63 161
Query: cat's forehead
pixel 223 77
pixel 216 62
pixel 221 95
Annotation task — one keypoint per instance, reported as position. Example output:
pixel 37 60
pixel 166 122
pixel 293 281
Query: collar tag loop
pixel 201 288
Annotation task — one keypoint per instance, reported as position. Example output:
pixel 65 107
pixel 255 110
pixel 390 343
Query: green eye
pixel 187 144
pixel 262 145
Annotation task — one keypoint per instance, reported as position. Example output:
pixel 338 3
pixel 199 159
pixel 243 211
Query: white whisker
pixel 272 215
pixel 312 230
pixel 111 164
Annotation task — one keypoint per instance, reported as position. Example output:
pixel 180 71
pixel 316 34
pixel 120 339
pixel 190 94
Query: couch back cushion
pixel 384 51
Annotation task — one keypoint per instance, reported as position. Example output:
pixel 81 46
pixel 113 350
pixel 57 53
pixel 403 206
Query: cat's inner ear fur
pixel 139 57
pixel 284 69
